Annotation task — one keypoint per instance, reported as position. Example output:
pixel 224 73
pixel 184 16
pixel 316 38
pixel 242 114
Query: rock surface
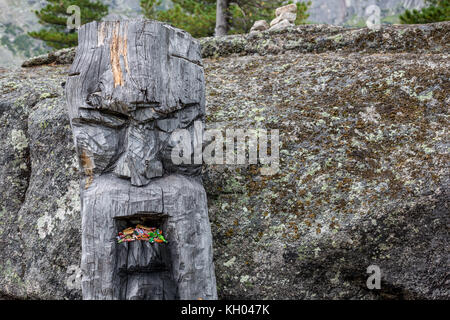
pixel 280 25
pixel 433 37
pixel 285 17
pixel 64 56
pixel 363 180
pixel 429 38
pixel 260 25
pixel 290 8
pixel 289 16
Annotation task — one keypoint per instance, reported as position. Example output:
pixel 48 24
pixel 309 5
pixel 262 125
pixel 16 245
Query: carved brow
pixel 104 117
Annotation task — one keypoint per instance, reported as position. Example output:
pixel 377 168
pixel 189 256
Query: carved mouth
pixel 142 256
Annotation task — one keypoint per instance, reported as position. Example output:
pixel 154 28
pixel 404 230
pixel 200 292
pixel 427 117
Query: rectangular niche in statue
pixel 143 266
pixel 142 255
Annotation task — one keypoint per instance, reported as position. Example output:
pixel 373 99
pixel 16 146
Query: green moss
pixel 425 97
pixel 10 275
pixel 18 140
pixel 337 38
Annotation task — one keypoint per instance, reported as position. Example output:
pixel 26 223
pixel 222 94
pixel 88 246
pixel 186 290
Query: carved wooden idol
pixel 131 86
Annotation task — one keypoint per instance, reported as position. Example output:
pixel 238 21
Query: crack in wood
pixel 186 59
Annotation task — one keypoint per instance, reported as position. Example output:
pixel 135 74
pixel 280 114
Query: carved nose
pixel 122 170
pixel 140 172
pixel 140 161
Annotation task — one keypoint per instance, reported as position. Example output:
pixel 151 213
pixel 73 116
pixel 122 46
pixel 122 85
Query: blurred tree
pixel 302 12
pixel 196 17
pixel 199 17
pixel 222 18
pixel 437 11
pixel 54 16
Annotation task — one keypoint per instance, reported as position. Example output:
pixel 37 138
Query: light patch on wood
pixel 118 48
pixel 88 166
pixel 101 35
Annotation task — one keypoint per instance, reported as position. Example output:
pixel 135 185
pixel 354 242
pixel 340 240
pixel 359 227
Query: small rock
pixel 63 56
pixel 260 25
pixel 39 60
pixel 289 8
pixel 289 16
pixel 253 35
pixel 282 25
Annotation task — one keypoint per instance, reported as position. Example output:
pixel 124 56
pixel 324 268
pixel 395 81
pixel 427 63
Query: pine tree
pixel 199 17
pixel 437 11
pixel 54 19
pixel 302 12
pixel 195 16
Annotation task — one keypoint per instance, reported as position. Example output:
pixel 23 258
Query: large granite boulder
pixel 363 179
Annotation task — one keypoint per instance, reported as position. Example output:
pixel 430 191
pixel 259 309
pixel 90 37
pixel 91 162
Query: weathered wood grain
pixel 131 85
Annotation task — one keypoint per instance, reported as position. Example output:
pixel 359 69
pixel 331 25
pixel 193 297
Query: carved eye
pixel 94 99
pixel 103 117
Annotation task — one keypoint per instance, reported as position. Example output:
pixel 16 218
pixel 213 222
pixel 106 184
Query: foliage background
pixel 436 11
pixel 198 17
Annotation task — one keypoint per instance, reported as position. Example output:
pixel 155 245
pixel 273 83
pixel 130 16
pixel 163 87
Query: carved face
pixel 132 84
pixel 125 98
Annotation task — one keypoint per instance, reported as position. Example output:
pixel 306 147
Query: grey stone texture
pixel 260 25
pixel 289 16
pixel 290 8
pixel 280 25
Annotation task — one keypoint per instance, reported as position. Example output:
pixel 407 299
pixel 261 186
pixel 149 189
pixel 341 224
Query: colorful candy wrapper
pixel 141 232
